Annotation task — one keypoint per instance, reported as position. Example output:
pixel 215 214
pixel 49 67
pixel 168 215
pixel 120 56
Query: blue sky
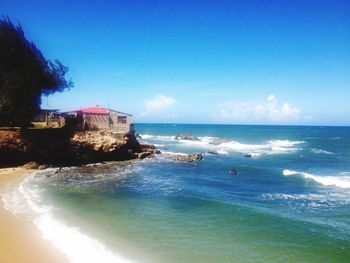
pixel 245 62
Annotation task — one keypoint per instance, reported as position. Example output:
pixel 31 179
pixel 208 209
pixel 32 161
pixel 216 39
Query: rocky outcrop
pixel 188 158
pixel 147 150
pixel 63 146
pixel 188 137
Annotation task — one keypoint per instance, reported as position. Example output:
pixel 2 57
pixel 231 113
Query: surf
pixel 338 181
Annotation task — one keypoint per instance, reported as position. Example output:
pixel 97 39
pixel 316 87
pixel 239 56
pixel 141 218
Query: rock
pixel 147 146
pixel 138 136
pixel 184 136
pixel 233 171
pixel 65 146
pixel 214 153
pixel 188 158
pixel 43 166
pixel 143 155
pixel 31 165
pixel 248 155
pixel 147 149
pixel 99 141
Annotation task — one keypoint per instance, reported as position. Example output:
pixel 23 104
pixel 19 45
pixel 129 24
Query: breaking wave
pixel 339 181
pixel 222 146
pixel 157 137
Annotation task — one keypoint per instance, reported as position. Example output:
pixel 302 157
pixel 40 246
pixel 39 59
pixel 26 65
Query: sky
pixel 219 61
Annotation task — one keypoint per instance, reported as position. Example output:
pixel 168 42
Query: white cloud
pixel 159 104
pixel 271 97
pixel 266 111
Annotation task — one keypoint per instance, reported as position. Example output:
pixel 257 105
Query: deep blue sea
pixel 288 202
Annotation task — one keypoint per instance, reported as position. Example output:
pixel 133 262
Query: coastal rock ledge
pixel 188 158
pixel 63 146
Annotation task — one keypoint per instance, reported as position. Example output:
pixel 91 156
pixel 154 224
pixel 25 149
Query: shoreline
pixel 20 239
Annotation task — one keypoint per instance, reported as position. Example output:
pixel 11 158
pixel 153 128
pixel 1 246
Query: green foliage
pixel 25 75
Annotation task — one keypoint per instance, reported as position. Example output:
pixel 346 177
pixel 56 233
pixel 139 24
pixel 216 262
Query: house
pixel 99 118
pixel 48 118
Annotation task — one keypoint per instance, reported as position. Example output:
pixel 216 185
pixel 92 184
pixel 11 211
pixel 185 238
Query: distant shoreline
pixel 20 240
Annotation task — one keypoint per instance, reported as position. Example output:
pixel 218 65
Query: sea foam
pixel 77 246
pixel 320 151
pixel 339 181
pixel 224 146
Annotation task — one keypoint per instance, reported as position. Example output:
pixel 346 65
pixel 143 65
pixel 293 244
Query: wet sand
pixel 20 240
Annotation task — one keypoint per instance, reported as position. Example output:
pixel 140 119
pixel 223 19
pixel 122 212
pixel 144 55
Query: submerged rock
pixel 188 158
pixel 233 171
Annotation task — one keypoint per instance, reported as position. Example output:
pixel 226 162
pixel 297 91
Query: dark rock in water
pixel 248 155
pixel 147 146
pixel 188 137
pixel 188 158
pixel 214 153
pixel 138 136
pixel 147 150
pixel 233 171
pixel 143 155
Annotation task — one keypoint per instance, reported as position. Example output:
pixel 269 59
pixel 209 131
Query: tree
pixel 25 75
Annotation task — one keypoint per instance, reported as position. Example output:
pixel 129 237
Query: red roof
pixel 94 110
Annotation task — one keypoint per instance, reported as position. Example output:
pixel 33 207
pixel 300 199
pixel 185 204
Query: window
pixel 122 119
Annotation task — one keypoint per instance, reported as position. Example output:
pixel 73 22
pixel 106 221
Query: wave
pixel 222 146
pixel 174 153
pixel 77 246
pixel 254 150
pixel 309 200
pixel 339 181
pixel 320 151
pixel 157 137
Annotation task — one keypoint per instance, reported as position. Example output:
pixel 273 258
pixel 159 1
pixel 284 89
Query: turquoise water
pixel 288 202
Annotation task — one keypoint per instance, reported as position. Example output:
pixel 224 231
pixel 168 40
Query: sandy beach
pixel 20 240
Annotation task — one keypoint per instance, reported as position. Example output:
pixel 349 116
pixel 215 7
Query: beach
pixel 20 240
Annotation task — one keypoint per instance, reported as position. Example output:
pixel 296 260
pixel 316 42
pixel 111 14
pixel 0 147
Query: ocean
pixel 288 199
